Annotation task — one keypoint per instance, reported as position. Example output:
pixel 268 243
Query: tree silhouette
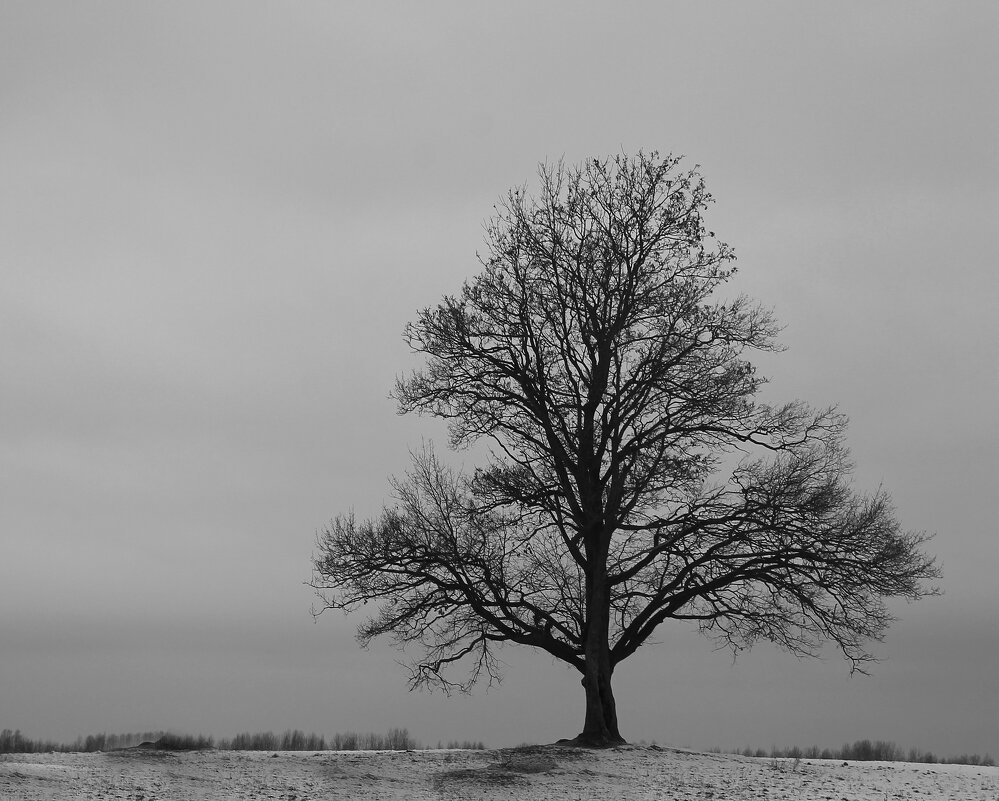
pixel 633 476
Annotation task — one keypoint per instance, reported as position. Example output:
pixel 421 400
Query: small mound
pixel 527 763
pixel 167 743
pixel 514 766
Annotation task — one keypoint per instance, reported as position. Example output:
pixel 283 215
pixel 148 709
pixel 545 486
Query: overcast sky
pixel 215 219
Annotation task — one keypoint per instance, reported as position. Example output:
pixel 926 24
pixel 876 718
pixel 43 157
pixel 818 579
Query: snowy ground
pixel 523 774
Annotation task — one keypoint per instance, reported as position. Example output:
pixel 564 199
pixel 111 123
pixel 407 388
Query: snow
pixel 523 774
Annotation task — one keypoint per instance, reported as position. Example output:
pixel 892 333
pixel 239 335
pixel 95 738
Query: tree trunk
pixel 600 725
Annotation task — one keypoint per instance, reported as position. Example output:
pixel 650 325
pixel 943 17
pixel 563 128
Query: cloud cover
pixel 216 218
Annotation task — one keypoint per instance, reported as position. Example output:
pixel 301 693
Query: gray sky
pixel 215 219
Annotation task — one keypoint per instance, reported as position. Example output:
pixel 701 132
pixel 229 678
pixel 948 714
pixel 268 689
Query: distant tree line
pixel 15 742
pixel 395 739
pixel 468 745
pixel 12 742
pixel 297 740
pixel 868 751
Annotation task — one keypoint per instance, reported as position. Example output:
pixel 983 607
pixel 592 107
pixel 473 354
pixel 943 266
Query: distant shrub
pixel 468 745
pixel 261 741
pixel 399 740
pixel 915 755
pixel 298 740
pixel 184 742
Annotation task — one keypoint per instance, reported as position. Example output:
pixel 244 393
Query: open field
pixel 524 774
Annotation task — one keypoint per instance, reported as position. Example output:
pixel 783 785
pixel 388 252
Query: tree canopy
pixel 634 474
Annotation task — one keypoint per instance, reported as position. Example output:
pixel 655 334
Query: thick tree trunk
pixel 600 725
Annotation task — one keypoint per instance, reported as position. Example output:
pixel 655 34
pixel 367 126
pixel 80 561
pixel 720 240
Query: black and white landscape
pixel 216 221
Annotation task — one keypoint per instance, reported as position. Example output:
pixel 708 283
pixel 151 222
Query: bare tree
pixel 633 476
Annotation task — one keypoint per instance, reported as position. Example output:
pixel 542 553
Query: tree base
pixel 585 740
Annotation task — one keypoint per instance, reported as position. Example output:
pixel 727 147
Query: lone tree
pixel 633 476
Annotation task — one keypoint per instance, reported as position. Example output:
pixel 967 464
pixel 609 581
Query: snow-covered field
pixel 522 774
